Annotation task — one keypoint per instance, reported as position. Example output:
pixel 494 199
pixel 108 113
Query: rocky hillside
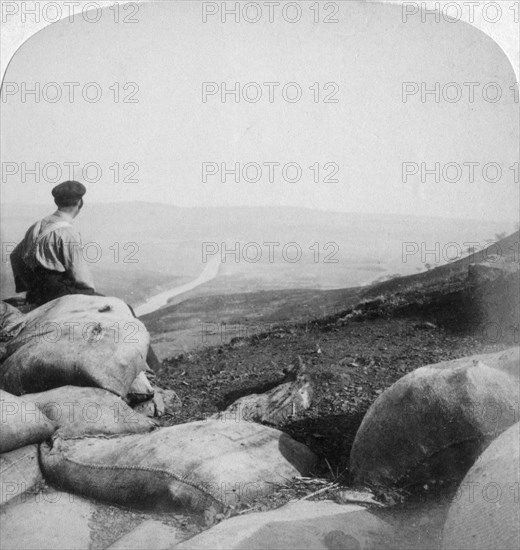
pixel 477 294
pixel 373 338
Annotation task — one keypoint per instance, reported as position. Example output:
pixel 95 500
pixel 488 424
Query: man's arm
pixel 73 261
pixel 20 270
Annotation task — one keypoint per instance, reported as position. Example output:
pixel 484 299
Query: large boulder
pixel 486 511
pixel 201 467
pixel 80 412
pixel 76 340
pixel 507 361
pixel 432 424
pixel 300 525
pixel 21 423
pixel 19 472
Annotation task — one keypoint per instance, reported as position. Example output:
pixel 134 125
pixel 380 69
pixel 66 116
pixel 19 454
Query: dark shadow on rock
pixel 230 397
pixel 444 470
pixel 330 437
pixel 339 540
pixel 297 455
pixel 418 522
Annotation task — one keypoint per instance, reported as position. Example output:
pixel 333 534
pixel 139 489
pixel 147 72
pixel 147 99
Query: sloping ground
pixel 479 294
pixel 214 320
pixel 505 251
pixel 350 365
pixel 455 295
pixel 352 356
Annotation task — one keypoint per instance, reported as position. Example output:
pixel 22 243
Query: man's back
pixel 45 241
pixel 51 247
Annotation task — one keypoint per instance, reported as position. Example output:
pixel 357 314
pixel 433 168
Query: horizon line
pixel 268 206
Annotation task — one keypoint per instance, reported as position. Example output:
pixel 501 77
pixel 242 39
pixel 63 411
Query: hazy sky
pixel 169 132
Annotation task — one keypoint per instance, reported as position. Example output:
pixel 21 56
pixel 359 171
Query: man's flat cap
pixel 72 189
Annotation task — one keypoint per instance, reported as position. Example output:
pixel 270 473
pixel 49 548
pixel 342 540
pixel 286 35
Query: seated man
pixel 49 262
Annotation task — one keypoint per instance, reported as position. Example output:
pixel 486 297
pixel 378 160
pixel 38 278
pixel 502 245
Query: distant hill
pixel 146 246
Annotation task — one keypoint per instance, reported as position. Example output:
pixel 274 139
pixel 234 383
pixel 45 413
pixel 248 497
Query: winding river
pixel 161 299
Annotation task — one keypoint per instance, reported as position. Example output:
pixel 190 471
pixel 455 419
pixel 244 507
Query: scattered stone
pixel 359 497
pixel 425 326
pixel 275 406
pixel 163 402
pixel 160 407
pixel 172 402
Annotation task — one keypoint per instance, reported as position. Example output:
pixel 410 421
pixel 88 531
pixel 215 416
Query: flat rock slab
pixel 150 535
pixel 301 525
pixel 197 467
pixel 47 520
pixel 19 472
